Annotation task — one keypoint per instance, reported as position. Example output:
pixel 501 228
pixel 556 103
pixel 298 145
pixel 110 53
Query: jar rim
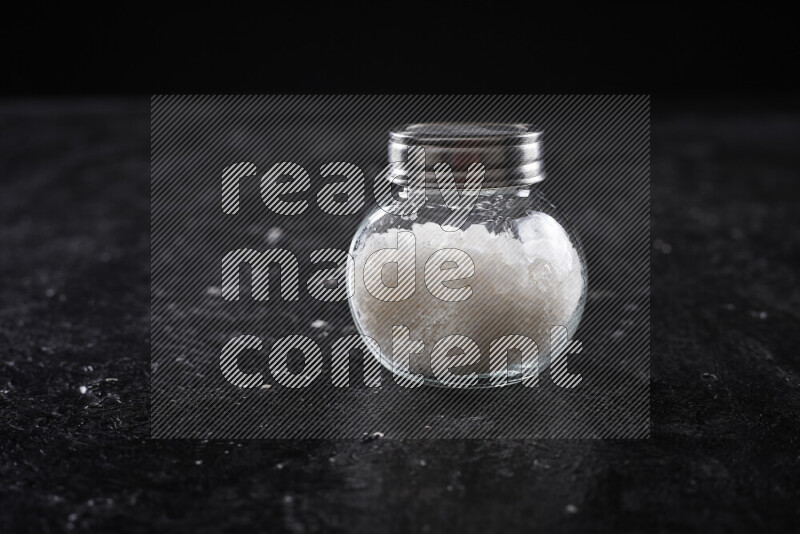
pixel 465 134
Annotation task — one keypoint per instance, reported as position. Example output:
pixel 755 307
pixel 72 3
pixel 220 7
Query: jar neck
pixel 434 195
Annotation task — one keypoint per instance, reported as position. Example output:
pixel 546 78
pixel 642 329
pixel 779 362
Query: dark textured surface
pixel 725 394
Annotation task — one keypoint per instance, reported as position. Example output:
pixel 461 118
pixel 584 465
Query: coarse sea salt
pixel 525 281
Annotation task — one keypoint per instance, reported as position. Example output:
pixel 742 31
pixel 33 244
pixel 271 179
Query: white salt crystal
pixel 274 235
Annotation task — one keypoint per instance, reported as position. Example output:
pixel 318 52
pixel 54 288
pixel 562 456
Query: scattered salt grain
pixel 274 235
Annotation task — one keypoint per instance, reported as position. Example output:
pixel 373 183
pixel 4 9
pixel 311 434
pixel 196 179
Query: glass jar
pixel 465 260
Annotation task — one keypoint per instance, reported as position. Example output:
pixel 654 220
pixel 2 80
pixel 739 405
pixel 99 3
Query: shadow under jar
pixel 457 297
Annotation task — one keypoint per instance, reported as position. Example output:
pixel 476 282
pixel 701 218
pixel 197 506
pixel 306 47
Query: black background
pixel 725 391
pixel 664 50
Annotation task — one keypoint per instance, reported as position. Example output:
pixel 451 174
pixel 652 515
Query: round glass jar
pixel 464 257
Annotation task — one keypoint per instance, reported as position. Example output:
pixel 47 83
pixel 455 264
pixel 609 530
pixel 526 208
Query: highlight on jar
pixel 504 276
